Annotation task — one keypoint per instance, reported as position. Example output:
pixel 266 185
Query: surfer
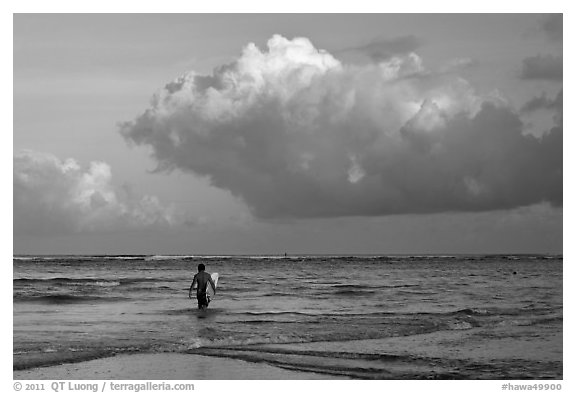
pixel 201 279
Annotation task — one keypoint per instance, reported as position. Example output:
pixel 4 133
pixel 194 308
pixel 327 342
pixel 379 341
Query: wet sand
pixel 165 367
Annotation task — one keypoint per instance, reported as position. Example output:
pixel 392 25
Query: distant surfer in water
pixel 201 279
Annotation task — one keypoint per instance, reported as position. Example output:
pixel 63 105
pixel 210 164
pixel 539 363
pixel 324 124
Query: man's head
pixel 201 267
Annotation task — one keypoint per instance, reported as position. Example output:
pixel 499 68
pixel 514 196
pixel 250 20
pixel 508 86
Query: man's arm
pixel 191 286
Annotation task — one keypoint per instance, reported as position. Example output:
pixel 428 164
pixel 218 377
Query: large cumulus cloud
pixel 296 133
pixel 59 196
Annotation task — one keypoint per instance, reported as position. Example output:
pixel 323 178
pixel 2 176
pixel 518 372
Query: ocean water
pixel 375 317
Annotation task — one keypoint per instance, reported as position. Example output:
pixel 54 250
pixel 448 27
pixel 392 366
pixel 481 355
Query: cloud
pixel 383 49
pixel 552 26
pixel 296 133
pixel 545 103
pixel 458 64
pixel 59 196
pixel 544 67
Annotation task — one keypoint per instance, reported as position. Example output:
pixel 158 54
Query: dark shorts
pixel 202 300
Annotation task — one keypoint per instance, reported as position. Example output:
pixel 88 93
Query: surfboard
pixel 209 290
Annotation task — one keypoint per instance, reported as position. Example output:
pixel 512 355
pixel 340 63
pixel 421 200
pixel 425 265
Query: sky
pixel 297 133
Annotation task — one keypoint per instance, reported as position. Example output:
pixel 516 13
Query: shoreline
pixel 441 354
pixel 165 366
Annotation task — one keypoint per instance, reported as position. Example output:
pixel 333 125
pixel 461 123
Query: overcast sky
pixel 222 134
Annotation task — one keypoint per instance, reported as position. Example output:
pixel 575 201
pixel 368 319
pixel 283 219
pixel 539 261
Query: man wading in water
pixel 201 279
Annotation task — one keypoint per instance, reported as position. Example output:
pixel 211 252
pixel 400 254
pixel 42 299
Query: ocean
pixel 366 317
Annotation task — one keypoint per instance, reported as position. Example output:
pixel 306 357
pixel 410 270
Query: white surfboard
pixel 209 290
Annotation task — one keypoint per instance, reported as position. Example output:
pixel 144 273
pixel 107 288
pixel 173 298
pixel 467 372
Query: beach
pixel 164 367
pixel 288 196
pixel 307 317
pixel 451 351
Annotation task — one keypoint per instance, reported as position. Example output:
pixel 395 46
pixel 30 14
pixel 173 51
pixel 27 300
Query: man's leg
pixel 202 302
